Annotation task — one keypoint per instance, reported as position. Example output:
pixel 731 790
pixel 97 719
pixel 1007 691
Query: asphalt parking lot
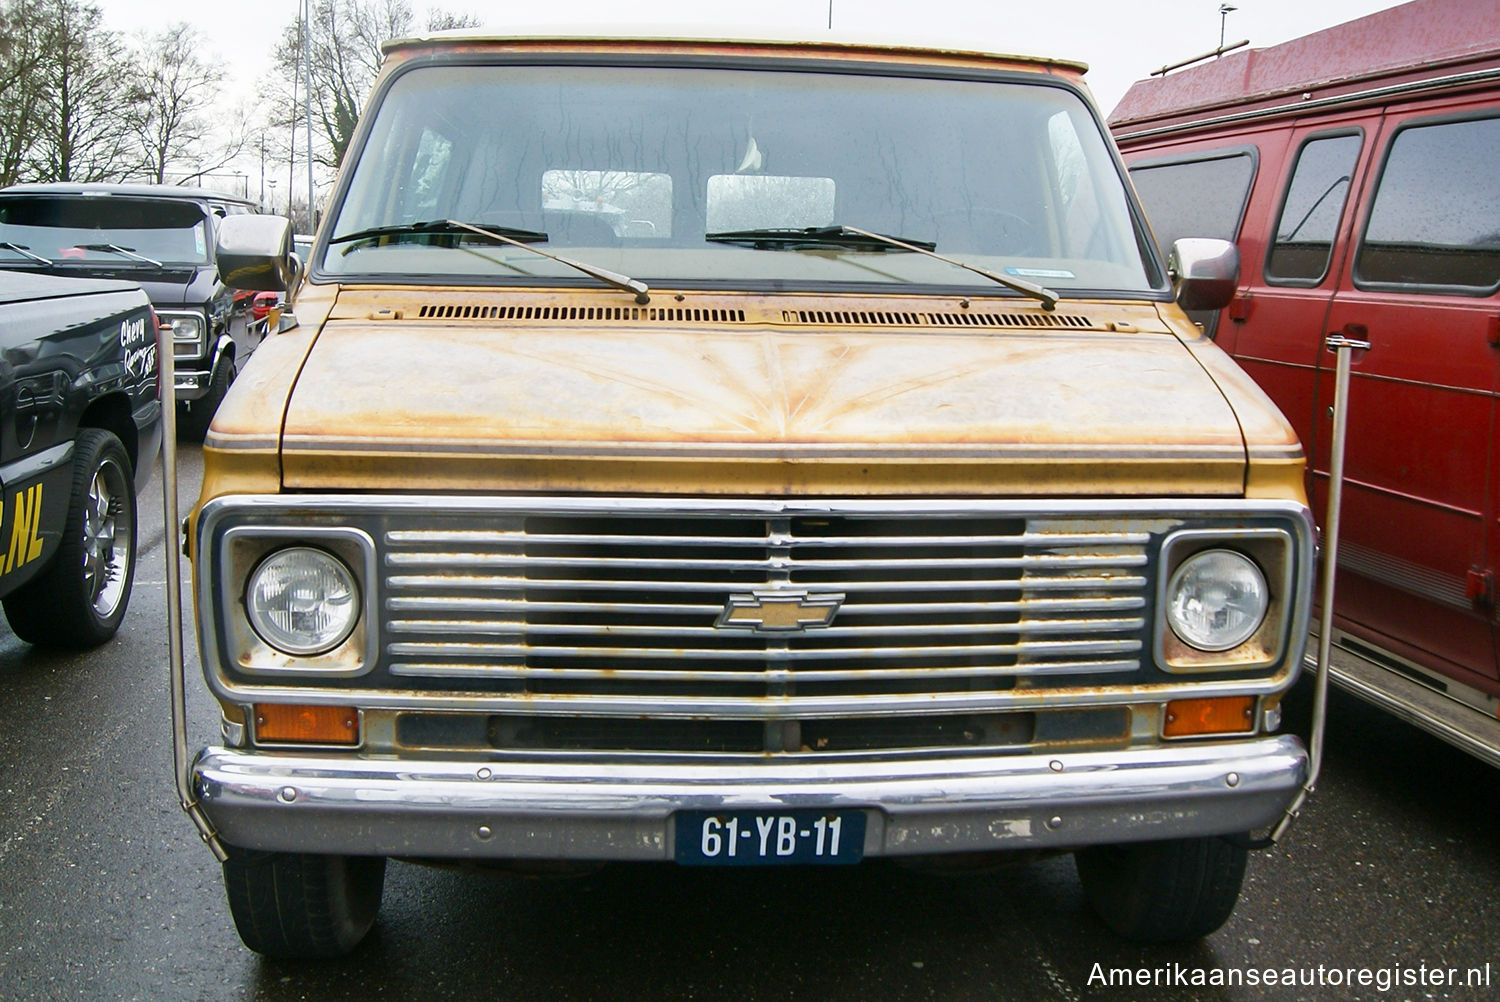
pixel 105 892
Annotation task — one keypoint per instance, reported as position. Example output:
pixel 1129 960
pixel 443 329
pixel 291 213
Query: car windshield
pixel 631 168
pixel 82 229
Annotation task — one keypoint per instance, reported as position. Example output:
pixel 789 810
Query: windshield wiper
pixel 24 252
pixel 431 226
pixel 801 238
pixel 812 237
pixel 515 238
pixel 126 251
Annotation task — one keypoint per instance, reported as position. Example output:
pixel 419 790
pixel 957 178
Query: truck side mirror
pixel 1204 272
pixel 255 252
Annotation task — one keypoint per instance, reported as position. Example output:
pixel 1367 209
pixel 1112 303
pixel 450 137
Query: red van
pixel 1358 169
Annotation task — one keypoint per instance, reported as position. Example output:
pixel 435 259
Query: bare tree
pixel 344 45
pixel 175 89
pixel 27 33
pixel 86 119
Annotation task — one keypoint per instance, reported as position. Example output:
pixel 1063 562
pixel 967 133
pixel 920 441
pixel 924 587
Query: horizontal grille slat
pixel 503 537
pixel 461 670
pixel 403 649
pixel 481 627
pixel 930 563
pixel 1120 582
pixel 523 606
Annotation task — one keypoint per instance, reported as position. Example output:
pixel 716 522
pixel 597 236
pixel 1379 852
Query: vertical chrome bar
pixel 1342 347
pixel 171 549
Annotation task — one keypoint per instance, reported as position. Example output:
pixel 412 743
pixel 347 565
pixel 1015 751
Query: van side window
pixel 1203 197
pixel 1310 213
pixel 1435 220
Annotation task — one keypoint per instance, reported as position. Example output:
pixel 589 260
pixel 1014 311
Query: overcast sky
pixel 1121 40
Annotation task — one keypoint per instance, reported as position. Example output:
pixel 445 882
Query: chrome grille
pixel 612 605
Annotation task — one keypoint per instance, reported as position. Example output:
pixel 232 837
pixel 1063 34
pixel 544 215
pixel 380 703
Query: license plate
pixel 760 838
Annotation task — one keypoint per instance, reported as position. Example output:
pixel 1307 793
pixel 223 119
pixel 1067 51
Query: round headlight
pixel 302 601
pixel 1216 600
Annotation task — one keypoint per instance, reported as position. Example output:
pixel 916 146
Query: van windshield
pixel 91 230
pixel 632 167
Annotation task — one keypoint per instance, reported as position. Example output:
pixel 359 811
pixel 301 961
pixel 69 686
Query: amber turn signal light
pixel 1186 718
pixel 293 723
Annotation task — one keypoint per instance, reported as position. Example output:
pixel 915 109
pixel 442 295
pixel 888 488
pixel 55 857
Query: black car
pixel 80 425
pixel 160 237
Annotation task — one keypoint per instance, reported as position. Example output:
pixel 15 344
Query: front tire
pixel 193 418
pixel 80 599
pixel 302 905
pixel 1155 892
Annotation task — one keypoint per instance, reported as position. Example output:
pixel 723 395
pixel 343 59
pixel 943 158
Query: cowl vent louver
pixel 568 314
pixel 697 315
pixel 964 318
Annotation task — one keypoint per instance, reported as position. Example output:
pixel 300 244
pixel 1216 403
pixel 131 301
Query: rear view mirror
pixel 255 253
pixel 1204 272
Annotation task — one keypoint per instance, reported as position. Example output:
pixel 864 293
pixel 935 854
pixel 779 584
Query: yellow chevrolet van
pixel 740 452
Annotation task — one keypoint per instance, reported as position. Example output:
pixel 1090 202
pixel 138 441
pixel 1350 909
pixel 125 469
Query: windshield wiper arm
pixel 435 226
pixel 504 235
pixel 852 236
pixel 24 252
pixel 622 282
pixel 126 251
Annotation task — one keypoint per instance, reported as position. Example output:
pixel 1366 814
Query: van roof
pixel 1424 39
pixel 671 36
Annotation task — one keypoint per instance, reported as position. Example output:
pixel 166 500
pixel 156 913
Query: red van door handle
pixel 1356 336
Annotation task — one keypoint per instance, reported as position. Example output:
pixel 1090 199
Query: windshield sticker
pixel 200 245
pixel 1040 273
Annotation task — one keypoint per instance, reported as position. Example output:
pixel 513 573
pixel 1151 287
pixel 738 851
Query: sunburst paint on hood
pixel 419 405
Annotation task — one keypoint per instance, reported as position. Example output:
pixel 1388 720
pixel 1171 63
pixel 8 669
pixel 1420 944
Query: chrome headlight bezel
pixel 189 331
pixel 1271 551
pixel 242 550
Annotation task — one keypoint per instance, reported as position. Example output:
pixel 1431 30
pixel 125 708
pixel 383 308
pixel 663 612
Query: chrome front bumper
pixel 615 811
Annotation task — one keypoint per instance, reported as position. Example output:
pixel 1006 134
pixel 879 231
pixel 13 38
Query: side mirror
pixel 255 252
pixel 1204 272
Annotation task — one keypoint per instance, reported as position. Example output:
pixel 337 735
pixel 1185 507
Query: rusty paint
pixel 755 407
pixel 653 406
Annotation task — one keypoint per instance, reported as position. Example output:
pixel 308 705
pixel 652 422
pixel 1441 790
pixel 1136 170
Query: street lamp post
pixel 312 220
pixel 1224 11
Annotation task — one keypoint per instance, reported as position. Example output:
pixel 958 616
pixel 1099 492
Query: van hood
pixel 165 287
pixel 698 408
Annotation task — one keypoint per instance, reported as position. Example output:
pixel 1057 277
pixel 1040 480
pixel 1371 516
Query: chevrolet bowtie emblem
pixel 779 611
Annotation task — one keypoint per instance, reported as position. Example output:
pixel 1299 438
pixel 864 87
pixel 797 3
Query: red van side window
pixel 1436 215
pixel 1310 213
pixel 1203 197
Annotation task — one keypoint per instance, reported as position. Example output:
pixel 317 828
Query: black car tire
pixel 80 599
pixel 289 904
pixel 193 420
pixel 1156 892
